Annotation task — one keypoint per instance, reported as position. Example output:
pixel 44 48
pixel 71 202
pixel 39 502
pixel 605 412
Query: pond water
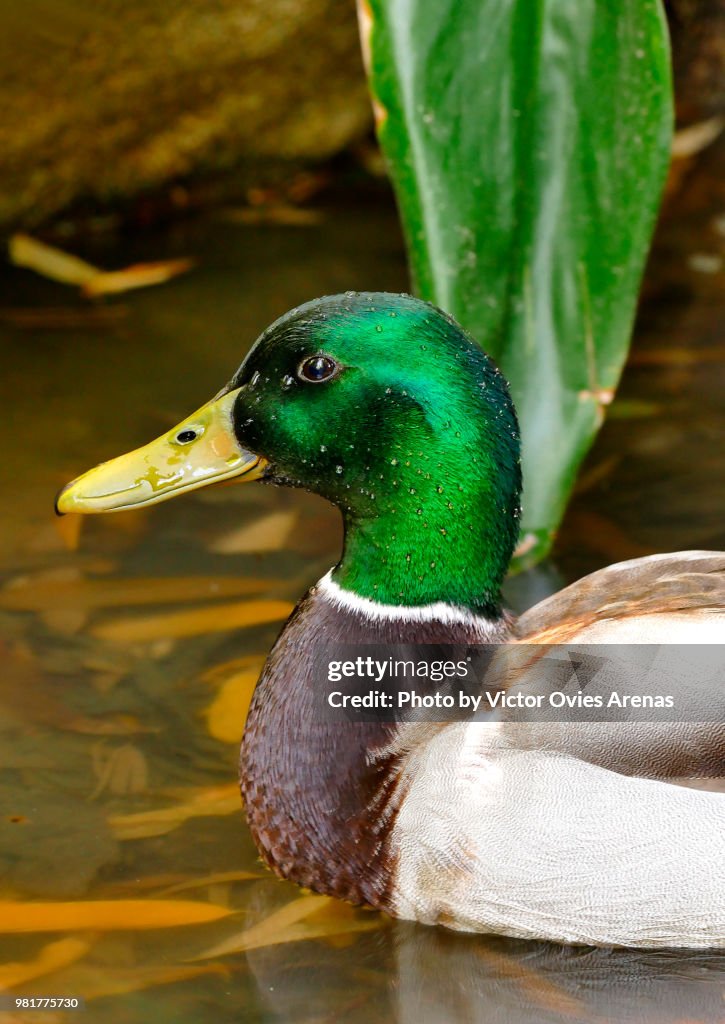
pixel 129 651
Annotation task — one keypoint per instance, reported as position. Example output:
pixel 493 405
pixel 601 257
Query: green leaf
pixel 528 142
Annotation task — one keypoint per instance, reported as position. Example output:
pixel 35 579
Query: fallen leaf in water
pixel 51 262
pixel 266 931
pixel 270 533
pixel 217 619
pixel 280 213
pixel 105 915
pixel 109 660
pixel 104 682
pixel 292 924
pixel 25 251
pixel 695 137
pixel 64 620
pixel 218 674
pixel 105 725
pixel 537 987
pixel 215 879
pixel 46 592
pixel 140 275
pixel 135 885
pixel 45 539
pixel 226 715
pixel 121 771
pixel 219 800
pixel 69 528
pixel 118 981
pixel 52 957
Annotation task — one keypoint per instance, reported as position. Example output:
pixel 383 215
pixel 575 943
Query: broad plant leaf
pixel 528 142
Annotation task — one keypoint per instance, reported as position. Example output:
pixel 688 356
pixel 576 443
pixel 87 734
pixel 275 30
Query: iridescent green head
pixel 383 405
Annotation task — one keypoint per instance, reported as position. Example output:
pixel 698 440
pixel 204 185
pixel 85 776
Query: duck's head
pixel 383 405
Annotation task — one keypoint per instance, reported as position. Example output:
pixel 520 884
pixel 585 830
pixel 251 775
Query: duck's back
pixel 539 844
pixel 672 600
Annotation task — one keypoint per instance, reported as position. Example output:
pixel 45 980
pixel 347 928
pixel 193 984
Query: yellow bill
pixel 201 450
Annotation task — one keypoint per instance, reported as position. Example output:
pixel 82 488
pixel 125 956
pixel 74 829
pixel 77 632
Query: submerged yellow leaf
pixel 140 275
pixel 690 140
pixel 277 213
pixel 219 800
pixel 217 674
pixel 216 619
pixel 215 879
pixel 226 715
pixel 51 957
pixel 95 983
pixel 537 988
pixel 267 534
pixel 39 593
pixel 64 620
pixel 292 924
pixel 25 251
pixel 69 528
pixel 53 263
pixel 268 931
pixel 105 915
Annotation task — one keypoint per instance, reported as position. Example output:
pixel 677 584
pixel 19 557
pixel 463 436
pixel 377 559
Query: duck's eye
pixel 186 436
pixel 315 369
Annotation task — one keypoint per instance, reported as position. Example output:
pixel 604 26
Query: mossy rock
pixel 103 101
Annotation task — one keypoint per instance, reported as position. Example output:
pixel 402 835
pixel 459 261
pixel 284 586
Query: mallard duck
pixel 383 405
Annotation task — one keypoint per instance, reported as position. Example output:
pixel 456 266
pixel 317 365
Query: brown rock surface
pixel 108 98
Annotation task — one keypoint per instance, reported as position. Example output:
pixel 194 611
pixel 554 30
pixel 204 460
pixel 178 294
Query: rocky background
pixel 103 99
